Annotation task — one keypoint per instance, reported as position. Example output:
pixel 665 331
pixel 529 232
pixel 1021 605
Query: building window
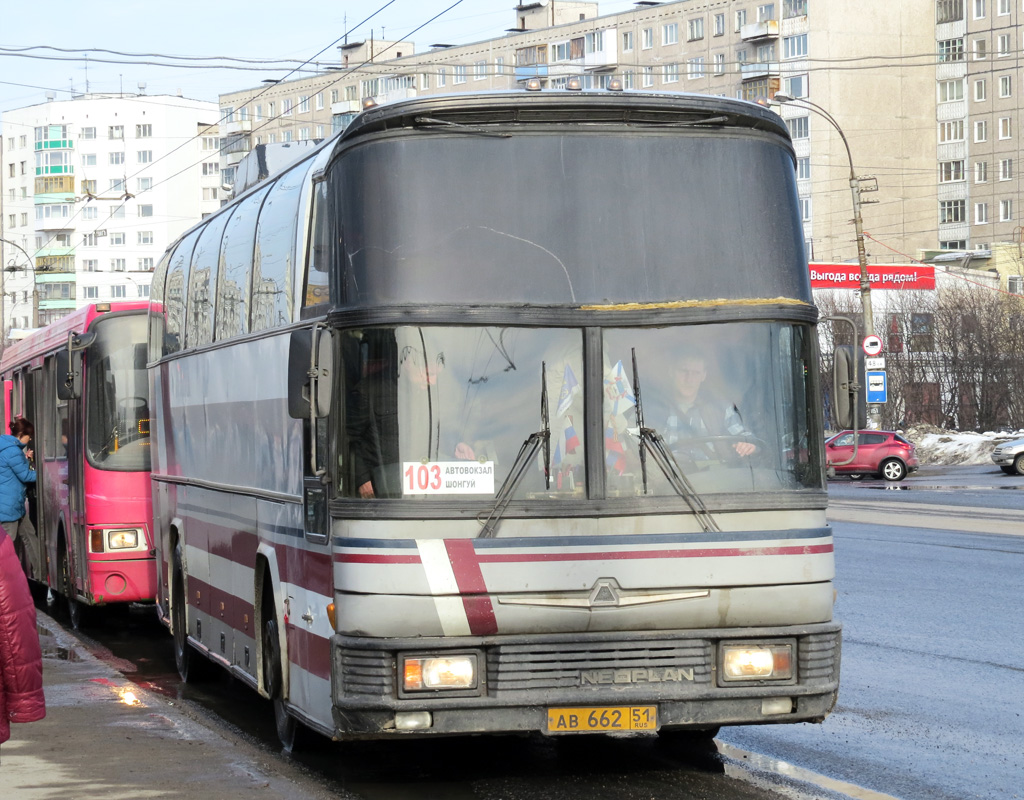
pixel 981 213
pixel 143 131
pixel 1006 210
pixel 627 42
pixel 143 185
pixel 459 73
pixel 1003 45
pixel 145 264
pixel 88 133
pixel 89 187
pixel 796 86
pixel 953 244
pixel 210 143
pixel 980 90
pixel 647 38
pixel 209 193
pixel 286 107
pixel 90 212
pixel 805 209
pixel 629 79
pixel 647 77
pixel 670 74
pixel 980 49
pixel 1005 85
pixel 803 169
pixel 145 210
pixel 798 127
pixel 670 33
pixel 718 59
pixel 719 24
pixel 118 291
pixel 145 237
pixel 794 8
pixel 951 50
pixel 303 134
pixel 950 91
pixel 116 239
pixel 145 156
pixel 211 168
pixel 951 171
pixel 741 18
pixel 303 103
pixel 90 265
pixel 88 159
pixel 116 158
pixel 922 332
pixel 695 29
pixel 741 59
pixel 766 13
pixel 981 172
pixel 794 46
pixel 117 265
pixel 117 187
pixel 1006 169
pixel 695 68
pixel 115 132
pixel 979 9
pixel 91 292
pixel 981 130
pixel 1005 128
pixel 442 76
pixel 951 211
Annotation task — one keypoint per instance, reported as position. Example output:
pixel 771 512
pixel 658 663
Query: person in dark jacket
pixel 21 659
pixel 15 474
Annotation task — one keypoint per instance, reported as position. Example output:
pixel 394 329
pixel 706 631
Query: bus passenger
pixel 21 660
pixel 698 416
pixel 15 474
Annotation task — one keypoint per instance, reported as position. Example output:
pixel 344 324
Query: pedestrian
pixel 15 474
pixel 21 658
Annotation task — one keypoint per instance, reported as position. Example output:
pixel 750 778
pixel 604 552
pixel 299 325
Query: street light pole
pixel 858 226
pixel 13 268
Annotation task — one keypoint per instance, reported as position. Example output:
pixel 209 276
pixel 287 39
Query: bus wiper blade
pixel 651 440
pixel 431 121
pixel 688 123
pixel 523 458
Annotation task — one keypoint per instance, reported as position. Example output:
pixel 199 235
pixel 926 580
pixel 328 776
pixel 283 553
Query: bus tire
pixel 192 666
pixel 76 610
pixel 288 728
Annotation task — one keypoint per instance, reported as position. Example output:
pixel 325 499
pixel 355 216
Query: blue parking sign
pixel 876 387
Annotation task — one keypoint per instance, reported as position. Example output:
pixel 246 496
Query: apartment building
pixel 871 65
pixel 92 190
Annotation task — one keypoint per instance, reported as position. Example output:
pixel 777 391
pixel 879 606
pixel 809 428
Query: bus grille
pixel 818 657
pixel 530 668
pixel 367 672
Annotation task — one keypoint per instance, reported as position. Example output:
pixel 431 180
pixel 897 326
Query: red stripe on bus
pixel 466 566
pixel 309 651
pixel 363 558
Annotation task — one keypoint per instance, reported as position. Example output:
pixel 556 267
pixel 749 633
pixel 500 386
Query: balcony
pixel 768 29
pixel 55 144
pixel 759 69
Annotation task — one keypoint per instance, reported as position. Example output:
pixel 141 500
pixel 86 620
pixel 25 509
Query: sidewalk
pixel 100 741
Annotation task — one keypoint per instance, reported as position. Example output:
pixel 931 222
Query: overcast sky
pixel 255 29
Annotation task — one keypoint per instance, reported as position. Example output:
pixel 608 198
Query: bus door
pixel 69 449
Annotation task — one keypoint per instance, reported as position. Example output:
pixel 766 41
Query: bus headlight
pixel 756 662
pixel 123 539
pixel 430 673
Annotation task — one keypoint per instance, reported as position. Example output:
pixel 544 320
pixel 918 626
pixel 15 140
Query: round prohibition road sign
pixel 872 345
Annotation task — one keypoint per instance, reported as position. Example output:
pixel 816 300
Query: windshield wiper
pixel 430 122
pixel 529 449
pixel 651 440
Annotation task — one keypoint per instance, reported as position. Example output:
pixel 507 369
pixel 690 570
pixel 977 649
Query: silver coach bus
pixel 499 413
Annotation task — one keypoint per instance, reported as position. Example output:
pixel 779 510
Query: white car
pixel 1010 457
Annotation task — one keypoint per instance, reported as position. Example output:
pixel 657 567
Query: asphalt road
pixel 931 703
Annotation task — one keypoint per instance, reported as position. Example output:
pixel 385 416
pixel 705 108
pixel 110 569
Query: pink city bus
pixel 82 383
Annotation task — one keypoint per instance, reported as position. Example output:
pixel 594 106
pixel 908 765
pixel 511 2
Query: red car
pixel 883 453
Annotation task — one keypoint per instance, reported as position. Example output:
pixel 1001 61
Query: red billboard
pixel 889 276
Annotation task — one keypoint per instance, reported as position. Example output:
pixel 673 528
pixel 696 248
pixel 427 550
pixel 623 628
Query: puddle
pixel 60 653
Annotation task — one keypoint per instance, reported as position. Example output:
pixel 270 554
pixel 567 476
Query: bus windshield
pixel 435 411
pixel 117 395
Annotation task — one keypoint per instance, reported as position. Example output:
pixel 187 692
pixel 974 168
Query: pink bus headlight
pixel 126 539
pixel 756 662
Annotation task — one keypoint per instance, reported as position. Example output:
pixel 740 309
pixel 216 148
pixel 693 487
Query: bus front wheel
pixel 273 676
pixel 76 611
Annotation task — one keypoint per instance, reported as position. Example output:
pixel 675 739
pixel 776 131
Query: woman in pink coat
pixel 21 661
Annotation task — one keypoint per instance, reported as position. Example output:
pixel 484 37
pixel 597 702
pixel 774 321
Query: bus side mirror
pixel 69 365
pixel 308 377
pixel 847 381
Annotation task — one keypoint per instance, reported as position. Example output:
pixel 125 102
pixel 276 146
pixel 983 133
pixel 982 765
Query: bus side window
pixel 236 257
pixel 275 247
pixel 174 295
pixel 321 251
pixel 203 282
